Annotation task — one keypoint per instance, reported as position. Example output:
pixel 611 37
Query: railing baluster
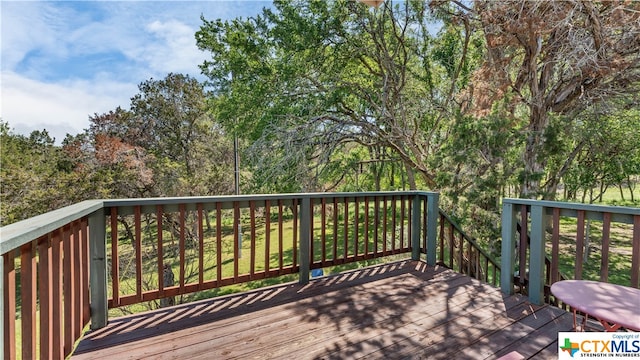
pixel 28 300
pixel 635 257
pixel 68 273
pixel 414 226
pixel 579 244
pixel 218 243
pixel 323 229
pixel 402 218
pixel 267 236
pixel 57 291
pixel 252 215
pixel 85 281
pixel 442 227
pixel 200 245
pixel 606 236
pixel 495 279
pixel 425 225
pixel 460 254
pixel 356 227
pixel 537 261
pixel 486 269
pixel 236 239
pixel 366 227
pixel 524 244
pixel 346 230
pixel 182 245
pixel 76 302
pixel 335 229
pixel 138 248
pixel 394 214
pixel 294 208
pixel 451 245
pixel 115 261
pixel 376 225
pixel 311 230
pixel 470 256
pixel 160 246
pixel 45 297
pixel 9 304
pixel 384 226
pixel 555 246
pixel 280 237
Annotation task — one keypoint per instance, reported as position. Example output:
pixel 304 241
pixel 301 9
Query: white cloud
pixel 29 105
pixel 27 27
pixel 63 61
pixel 173 48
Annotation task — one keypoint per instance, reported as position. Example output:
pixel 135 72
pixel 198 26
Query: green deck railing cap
pixel 17 234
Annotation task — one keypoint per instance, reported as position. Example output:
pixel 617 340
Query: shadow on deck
pixel 398 310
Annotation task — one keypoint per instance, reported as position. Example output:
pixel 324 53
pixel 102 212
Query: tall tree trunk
pixel 534 165
pixel 411 178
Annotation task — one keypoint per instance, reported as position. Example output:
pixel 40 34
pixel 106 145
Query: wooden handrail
pixel 69 264
pixel 475 262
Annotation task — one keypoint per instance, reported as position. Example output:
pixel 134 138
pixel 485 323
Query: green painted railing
pixel 546 224
pixel 65 269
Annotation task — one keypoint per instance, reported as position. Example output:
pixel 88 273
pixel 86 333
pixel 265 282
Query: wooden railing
pixel 45 279
pixel 460 252
pixel 547 225
pixel 207 243
pixel 65 269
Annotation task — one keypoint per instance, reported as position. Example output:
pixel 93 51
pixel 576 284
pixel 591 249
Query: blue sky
pixel 63 61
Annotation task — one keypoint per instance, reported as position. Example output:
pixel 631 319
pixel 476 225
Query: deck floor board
pixel 398 310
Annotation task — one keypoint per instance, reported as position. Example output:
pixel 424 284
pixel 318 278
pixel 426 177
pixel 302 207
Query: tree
pixel 168 144
pixel 553 57
pixel 610 152
pixel 34 178
pixel 309 79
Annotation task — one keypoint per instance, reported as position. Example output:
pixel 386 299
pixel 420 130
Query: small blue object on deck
pixel 316 273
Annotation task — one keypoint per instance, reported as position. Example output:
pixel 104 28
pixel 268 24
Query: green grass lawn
pixel 171 253
pixel 620 248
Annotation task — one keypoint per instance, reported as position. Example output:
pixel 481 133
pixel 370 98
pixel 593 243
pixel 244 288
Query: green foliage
pixel 607 152
pixel 35 179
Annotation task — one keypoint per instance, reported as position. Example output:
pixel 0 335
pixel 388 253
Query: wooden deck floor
pixel 397 310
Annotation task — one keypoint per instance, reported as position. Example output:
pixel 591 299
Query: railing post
pixel 415 227
pixel 537 255
pixel 433 208
pixel 305 239
pixel 98 269
pixel 508 246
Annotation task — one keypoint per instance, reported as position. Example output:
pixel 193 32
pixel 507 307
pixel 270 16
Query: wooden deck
pixel 397 310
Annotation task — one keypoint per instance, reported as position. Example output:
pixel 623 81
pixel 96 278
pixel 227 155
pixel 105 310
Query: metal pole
pixel 236 161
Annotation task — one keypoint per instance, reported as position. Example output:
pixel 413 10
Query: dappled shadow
pixel 395 310
pixel 409 315
pixel 140 326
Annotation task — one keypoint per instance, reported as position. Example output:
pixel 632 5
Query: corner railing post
pixel 415 227
pixel 508 246
pixel 537 257
pixel 305 239
pixel 433 208
pixel 98 269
